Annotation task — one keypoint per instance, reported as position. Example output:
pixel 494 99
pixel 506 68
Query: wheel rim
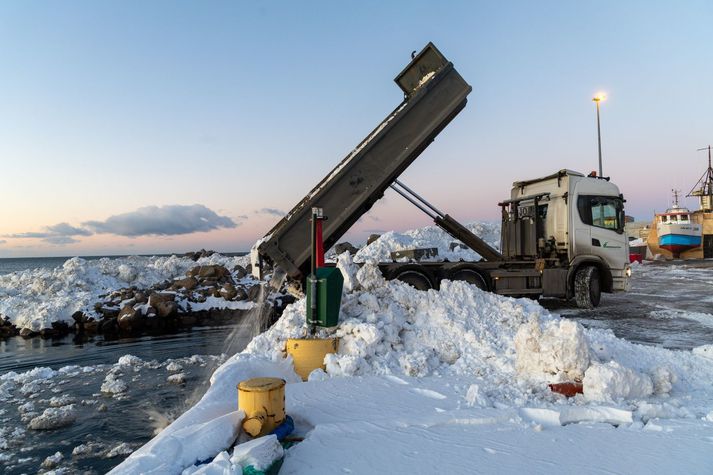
pixel 470 276
pixel 415 279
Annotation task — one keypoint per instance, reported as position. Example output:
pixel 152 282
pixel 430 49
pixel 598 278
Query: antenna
pixel 675 197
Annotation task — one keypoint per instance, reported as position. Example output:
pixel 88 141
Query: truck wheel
pixel 471 276
pixel 587 289
pixel 413 276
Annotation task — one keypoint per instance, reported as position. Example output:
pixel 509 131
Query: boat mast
pixel 703 188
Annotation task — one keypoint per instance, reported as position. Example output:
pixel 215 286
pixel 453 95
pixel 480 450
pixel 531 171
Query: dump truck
pixel 562 235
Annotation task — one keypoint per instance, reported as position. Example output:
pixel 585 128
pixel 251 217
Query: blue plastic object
pixel 284 429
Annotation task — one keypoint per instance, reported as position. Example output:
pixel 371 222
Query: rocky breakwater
pixel 206 295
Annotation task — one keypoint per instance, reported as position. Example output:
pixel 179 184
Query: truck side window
pixel 601 211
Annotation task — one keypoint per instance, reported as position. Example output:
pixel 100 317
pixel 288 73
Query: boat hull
pixel 678 238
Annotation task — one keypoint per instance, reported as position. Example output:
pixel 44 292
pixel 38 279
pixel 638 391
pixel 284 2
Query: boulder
pixel 140 297
pixel 157 297
pixel 188 283
pixel 214 271
pixel 228 292
pixel 343 247
pixel 372 238
pixel 166 308
pixel 254 293
pixel 27 333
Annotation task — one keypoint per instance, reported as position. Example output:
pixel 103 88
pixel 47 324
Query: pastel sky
pixel 167 126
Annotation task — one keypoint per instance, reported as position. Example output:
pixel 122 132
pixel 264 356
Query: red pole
pixel 319 243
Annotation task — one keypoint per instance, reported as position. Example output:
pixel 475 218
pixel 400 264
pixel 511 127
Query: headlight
pixel 628 271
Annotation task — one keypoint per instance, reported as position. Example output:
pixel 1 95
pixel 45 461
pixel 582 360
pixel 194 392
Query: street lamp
pixel 599 97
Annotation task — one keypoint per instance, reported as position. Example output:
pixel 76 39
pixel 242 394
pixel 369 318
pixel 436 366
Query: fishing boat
pixel 676 231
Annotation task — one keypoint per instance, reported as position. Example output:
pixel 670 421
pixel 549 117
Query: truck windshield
pixel 602 211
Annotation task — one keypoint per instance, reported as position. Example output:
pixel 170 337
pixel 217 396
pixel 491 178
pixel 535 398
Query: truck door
pixel 605 217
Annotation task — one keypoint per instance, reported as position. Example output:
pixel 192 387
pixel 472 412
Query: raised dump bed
pixel 434 94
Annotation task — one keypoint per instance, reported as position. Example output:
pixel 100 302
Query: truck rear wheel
pixel 587 288
pixel 413 276
pixel 472 276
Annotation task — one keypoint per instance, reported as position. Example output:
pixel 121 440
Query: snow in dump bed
pixel 429 237
pixel 35 298
pixel 448 380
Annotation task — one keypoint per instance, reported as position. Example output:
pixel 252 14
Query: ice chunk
pixel 260 453
pixel 612 381
pixel 554 350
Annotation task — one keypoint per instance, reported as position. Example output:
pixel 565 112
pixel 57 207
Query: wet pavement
pixel 670 304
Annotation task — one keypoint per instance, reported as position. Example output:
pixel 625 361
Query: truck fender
pixel 587 259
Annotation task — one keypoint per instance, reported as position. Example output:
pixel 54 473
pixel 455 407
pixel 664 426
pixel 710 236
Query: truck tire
pixel 471 276
pixel 587 287
pixel 413 276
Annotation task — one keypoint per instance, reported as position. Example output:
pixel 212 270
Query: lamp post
pixel 597 99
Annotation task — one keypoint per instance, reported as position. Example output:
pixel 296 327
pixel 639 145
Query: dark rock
pixel 90 325
pixel 140 297
pixel 211 271
pixel 109 312
pixel 166 308
pixel 60 328
pixel 241 294
pixel 372 238
pixel 228 292
pixel 239 271
pixel 27 333
pixel 157 297
pixel 150 312
pixel 109 327
pixel 344 247
pixel 189 283
pixel 249 268
pixel 78 316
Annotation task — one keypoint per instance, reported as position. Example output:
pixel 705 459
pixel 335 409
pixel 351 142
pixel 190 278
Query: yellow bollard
pixel 308 353
pixel 263 402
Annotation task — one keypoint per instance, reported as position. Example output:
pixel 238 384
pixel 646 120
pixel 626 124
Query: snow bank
pixel 456 371
pixel 427 237
pixel 35 298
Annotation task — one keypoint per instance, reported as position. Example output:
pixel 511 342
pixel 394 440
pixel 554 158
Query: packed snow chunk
pixel 556 350
pixel 612 381
pixel 370 277
pixel 174 450
pixel 609 415
pixel 349 271
pixel 177 378
pixel 663 379
pixel 260 453
pixel 173 367
pixel 113 385
pixel 130 360
pixel 54 418
pixel 317 374
pixel 52 461
pixel 477 397
pixel 705 351
pixel 121 449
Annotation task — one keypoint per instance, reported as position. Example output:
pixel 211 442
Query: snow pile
pixel 35 298
pixel 429 237
pixel 556 349
pixel 445 371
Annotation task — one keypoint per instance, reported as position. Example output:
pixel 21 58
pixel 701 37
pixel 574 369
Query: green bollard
pixel 329 297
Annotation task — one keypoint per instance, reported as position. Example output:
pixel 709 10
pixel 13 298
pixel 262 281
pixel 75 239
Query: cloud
pixel 2 241
pixel 58 234
pixel 271 211
pixel 167 220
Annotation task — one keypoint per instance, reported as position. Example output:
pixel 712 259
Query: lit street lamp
pixel 597 99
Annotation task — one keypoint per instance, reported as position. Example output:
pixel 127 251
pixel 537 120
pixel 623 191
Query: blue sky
pixel 114 109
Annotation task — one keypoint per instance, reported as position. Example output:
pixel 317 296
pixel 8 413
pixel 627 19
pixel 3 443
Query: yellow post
pixel 263 402
pixel 308 353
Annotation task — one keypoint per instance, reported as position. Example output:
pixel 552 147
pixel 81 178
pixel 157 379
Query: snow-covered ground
pixel 35 298
pixel 456 381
